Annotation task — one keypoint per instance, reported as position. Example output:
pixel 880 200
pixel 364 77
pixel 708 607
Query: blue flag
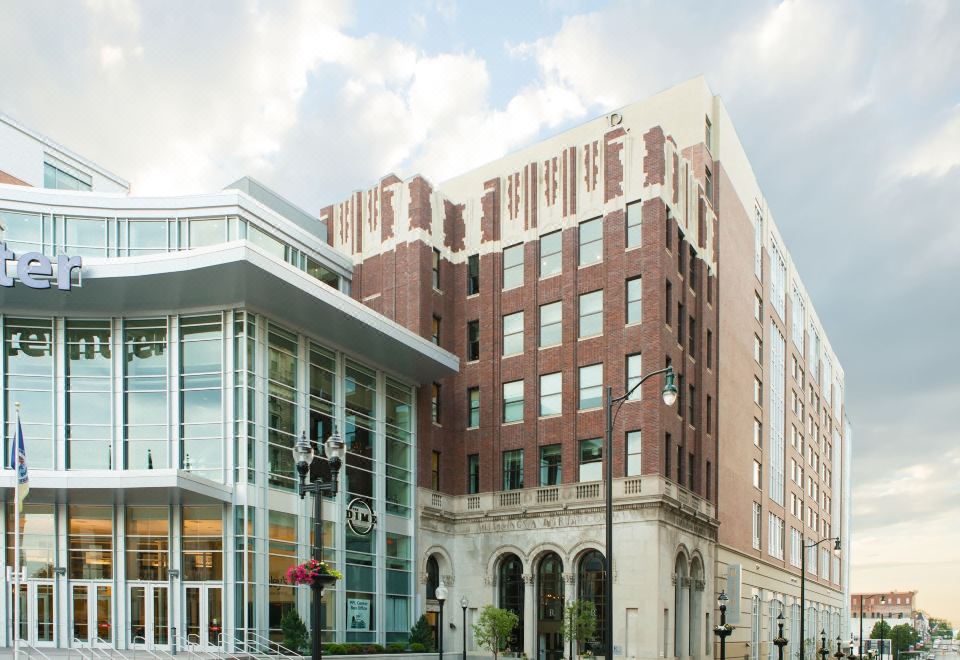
pixel 18 460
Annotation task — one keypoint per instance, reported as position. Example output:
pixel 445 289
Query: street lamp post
pixel 824 651
pixel 441 594
pixel 304 457
pixel 803 582
pixel 669 395
pixel 723 630
pixel 464 603
pixel 780 641
pixel 861 627
pixel 883 601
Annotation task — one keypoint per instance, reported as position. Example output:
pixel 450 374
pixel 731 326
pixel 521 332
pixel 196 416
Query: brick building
pixel 635 241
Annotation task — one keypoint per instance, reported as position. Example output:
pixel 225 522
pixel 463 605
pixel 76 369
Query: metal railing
pixel 270 647
pixel 31 650
pixel 78 647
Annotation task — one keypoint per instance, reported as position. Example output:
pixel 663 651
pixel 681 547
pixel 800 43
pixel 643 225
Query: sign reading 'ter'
pixel 360 517
pixel 35 270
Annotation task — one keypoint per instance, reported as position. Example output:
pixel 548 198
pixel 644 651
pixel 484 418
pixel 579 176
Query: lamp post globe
pixel 464 604
pixel 669 392
pixel 302 451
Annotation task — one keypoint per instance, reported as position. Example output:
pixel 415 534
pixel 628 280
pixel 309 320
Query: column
pixel 529 616
pixel 569 595
pixel 683 618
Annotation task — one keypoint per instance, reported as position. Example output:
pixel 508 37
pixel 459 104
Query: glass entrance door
pixel 149 615
pixel 203 609
pixel 91 606
pixel 36 613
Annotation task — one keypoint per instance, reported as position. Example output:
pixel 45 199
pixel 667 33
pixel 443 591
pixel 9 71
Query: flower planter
pixel 313 573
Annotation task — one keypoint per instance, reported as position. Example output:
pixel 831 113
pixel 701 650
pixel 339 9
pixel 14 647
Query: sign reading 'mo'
pixel 360 517
pixel 35 270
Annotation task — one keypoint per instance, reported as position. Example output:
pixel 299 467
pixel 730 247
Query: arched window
pixel 511 596
pixel 696 605
pixel 681 612
pixel 755 629
pixel 550 607
pixel 433 577
pixel 591 578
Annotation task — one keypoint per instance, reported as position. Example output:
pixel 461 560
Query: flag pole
pixel 15 455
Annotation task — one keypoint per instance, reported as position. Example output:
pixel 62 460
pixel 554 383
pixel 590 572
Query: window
pixel 778 284
pixel 757 391
pixel 634 300
pixel 591 314
pixel 757 307
pixel 756 474
pixel 473 340
pixel 757 433
pixel 513 266
pixel 709 349
pixel 666 454
pixel 756 525
pixel 708 133
pixel 679 465
pixel 775 536
pixel 591 463
pixel 591 386
pixel 436 269
pixel 758 244
pixel 668 231
pixel 708 184
pixel 473 407
pixel 691 472
pixel 709 289
pixel 709 414
pixel 59 179
pixel 550 465
pixel 668 298
pixel 473 474
pixel 591 241
pixel 435 330
pixel 692 267
pixel 680 319
pixel 473 274
pixel 757 349
pixel 551 254
pixel 692 337
pixel 634 365
pixel 513 469
pixel 513 334
pixel 692 406
pixel 634 453
pixel 681 254
pixel 435 403
pixel 551 329
pixel 435 470
pixel 634 225
pixel 513 401
pixel 551 394
pixel 709 488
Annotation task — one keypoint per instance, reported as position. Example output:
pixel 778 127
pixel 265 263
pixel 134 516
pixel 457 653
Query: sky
pixel 849 112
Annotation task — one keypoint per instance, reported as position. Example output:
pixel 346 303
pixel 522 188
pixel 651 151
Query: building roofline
pixel 43 139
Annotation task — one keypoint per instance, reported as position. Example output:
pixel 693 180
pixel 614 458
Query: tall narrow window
pixel 473 473
pixel 435 403
pixel 708 133
pixel 668 303
pixel 473 340
pixel 435 330
pixel 680 323
pixel 551 457
pixel 435 470
pixel 591 314
pixel 201 367
pixel 709 428
pixel 708 184
pixel 473 407
pixel 691 472
pixel 513 469
pixel 634 224
pixel 513 266
pixel 513 401
pixel 591 241
pixel 89 409
pixel 513 334
pixel 473 274
pixel 436 269
pixel 757 469
pixel 692 269
pixel 634 365
pixel 551 394
pixel 551 254
pixel 668 229
pixel 551 329
pixel 634 300
pixel 756 525
pixel 708 490
pixel 634 450
pixel 692 406
pixel 591 386
pixel 666 454
pixel 591 459
pixel 709 349
pixel 692 337
pixel 145 394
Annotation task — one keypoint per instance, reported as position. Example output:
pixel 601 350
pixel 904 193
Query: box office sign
pixel 360 517
pixel 36 270
pixel 358 614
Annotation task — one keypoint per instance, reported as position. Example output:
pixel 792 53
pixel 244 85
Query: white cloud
pixel 939 153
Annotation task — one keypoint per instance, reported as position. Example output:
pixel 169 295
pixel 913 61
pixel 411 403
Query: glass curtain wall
pixel 89 409
pixel 145 394
pixel 282 409
pixel 201 395
pixel 28 356
pixel 282 555
pixel 399 449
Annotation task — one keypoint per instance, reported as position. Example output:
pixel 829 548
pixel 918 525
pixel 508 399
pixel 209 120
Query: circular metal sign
pixel 360 517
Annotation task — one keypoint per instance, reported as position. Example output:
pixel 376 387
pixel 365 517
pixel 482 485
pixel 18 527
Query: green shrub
pixel 334 649
pixel 396 647
pixel 417 647
pixel 373 648
pixel 353 649
pixel 295 634
pixel 422 633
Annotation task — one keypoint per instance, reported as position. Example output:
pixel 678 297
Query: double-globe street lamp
pixel 803 583
pixel 723 630
pixel 669 395
pixel 305 459
pixel 780 641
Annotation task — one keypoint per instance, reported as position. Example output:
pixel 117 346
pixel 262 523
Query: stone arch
pixel 592 583
pixel 511 579
pixel 541 550
pixel 443 559
pixel 493 563
pixel 577 552
pixel 697 586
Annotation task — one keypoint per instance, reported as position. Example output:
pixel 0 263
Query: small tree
pixel 881 630
pixel 579 623
pixel 422 633
pixel 295 634
pixel 493 628
pixel 901 637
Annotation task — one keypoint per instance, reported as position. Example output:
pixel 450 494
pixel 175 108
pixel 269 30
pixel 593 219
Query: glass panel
pixel 45 613
pixel 91 541
pixel 147 236
pixel 207 232
pixel 37 539
pixel 160 612
pixel 81 614
pixel 104 618
pixel 138 615
pixel 202 543
pixel 28 351
pixel 192 607
pixel 214 615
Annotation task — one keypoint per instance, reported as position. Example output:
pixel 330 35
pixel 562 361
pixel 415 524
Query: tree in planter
pixel 422 633
pixel 295 634
pixel 493 628
pixel 579 623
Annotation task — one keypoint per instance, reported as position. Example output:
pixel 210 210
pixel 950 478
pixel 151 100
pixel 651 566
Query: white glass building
pixel 160 398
